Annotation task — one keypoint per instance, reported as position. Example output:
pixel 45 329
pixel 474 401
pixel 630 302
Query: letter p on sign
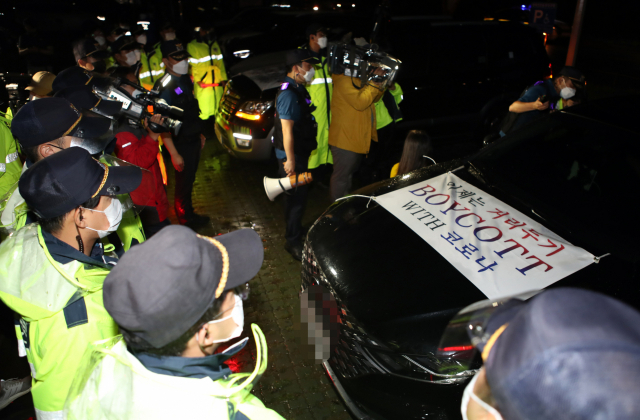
pixel 538 14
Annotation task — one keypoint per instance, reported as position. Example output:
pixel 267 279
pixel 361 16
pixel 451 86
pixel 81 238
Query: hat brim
pixel 180 55
pixel 91 128
pixel 311 60
pixel 246 254
pixel 99 54
pixel 130 46
pixel 121 180
pixel 109 108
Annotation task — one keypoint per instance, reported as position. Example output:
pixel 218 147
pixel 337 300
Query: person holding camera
pixel 353 127
pixel 176 88
pixel 295 138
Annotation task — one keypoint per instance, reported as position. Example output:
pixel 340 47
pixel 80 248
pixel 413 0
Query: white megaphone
pixel 276 186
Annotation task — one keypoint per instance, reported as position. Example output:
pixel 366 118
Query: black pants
pixel 190 152
pixel 295 201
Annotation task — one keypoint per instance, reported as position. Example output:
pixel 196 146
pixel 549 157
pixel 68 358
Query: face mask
pixel 169 36
pixel 99 66
pixel 322 42
pixel 567 92
pixel 181 68
pixel 308 77
pixel 100 40
pixel 141 39
pixel 114 216
pixel 131 58
pixel 237 314
pixel 468 395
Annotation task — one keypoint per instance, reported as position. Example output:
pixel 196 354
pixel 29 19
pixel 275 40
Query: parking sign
pixel 543 16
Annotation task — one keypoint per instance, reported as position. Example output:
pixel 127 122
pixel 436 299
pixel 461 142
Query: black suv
pixel 457 78
pixel 571 172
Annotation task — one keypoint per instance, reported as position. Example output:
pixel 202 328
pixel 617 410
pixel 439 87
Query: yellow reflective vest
pixel 61 312
pixel 114 385
pixel 10 165
pixel 152 66
pixel 321 91
pixel 206 68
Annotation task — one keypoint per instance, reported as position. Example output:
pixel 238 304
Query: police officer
pixel 321 90
pixel 176 89
pixel 207 69
pixel 167 351
pixel 90 57
pixel 153 69
pixel 126 51
pixel 295 138
pixel 150 66
pixel 53 270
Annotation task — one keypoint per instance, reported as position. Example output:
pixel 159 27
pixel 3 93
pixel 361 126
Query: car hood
pixel 266 71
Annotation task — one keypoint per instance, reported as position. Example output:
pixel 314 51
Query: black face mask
pixel 99 67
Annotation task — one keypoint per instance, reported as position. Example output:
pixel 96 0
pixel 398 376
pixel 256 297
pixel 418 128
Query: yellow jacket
pixel 353 115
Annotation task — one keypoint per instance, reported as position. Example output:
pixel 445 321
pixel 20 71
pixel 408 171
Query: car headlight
pixel 253 110
pixel 242 53
pixel 425 368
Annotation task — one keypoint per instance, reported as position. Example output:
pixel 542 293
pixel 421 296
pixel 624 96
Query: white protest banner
pixel 500 250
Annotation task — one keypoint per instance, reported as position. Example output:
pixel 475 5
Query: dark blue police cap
pixel 63 181
pixel 299 55
pixel 566 354
pixel 174 49
pixel 48 119
pixel 74 76
pixel 82 97
pixel 125 43
pixel 88 48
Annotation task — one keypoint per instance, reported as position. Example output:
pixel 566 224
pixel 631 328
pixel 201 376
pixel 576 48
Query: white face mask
pixel 237 314
pixel 100 40
pixel 322 42
pixel 468 395
pixel 131 58
pixel 169 36
pixel 114 216
pixel 142 39
pixel 181 68
pixel 566 92
pixel 308 77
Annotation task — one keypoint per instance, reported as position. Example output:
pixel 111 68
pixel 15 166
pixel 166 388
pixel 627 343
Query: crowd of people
pixel 86 215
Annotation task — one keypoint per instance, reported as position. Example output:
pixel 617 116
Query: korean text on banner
pixel 500 250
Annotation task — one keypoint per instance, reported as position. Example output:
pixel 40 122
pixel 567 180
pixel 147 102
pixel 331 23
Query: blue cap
pixel 48 119
pixel 82 97
pixel 73 76
pixel 567 354
pixel 174 49
pixel 63 181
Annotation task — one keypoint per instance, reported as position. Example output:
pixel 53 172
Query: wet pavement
pixel 231 192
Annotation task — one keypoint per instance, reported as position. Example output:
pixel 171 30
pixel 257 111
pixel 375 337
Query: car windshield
pixel 570 168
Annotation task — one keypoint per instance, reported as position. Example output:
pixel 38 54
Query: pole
pixel 575 33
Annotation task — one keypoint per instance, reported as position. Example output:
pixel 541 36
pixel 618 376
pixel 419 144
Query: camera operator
pixel 139 146
pixel 90 57
pixel 295 138
pixel 353 126
pixel 176 89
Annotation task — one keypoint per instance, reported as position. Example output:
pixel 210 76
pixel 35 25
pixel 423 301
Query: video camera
pixel 141 104
pixel 372 67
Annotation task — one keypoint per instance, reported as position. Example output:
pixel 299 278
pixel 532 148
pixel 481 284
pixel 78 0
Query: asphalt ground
pixel 231 192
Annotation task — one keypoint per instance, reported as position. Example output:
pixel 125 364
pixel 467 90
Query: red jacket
pixel 143 152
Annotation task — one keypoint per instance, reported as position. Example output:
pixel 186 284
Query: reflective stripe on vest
pixel 10 158
pixel 205 59
pixel 50 415
pixel 321 80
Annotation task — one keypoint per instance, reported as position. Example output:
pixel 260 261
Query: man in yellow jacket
pixel 207 69
pixel 353 126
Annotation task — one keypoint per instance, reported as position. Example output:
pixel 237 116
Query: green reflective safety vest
pixel 114 385
pixel 61 312
pixel 206 68
pixel 152 66
pixel 10 165
pixel 321 91
pixel 383 117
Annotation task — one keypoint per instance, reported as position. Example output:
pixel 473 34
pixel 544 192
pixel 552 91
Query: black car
pixel 457 78
pixel 572 172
